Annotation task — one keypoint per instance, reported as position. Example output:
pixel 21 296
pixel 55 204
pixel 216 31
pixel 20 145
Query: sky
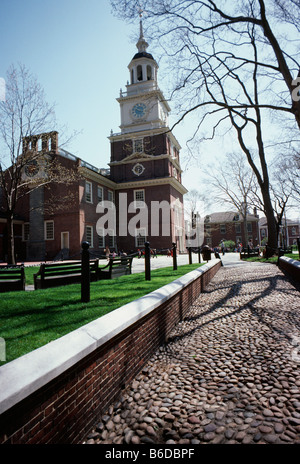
pixel 79 52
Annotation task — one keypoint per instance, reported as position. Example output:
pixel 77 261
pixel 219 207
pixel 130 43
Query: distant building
pixel 288 233
pixel 230 225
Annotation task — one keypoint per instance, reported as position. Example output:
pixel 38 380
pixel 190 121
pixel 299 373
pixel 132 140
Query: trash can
pixel 206 253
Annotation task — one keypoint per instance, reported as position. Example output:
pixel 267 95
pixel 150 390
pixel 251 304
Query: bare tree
pixel 23 114
pixel 234 67
pixel 234 184
pixel 289 168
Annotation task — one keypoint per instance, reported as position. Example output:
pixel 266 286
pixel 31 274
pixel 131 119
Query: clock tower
pixel 144 160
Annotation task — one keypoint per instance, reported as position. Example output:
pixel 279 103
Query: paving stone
pixel 226 375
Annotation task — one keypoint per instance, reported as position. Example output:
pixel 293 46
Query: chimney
pixel 54 142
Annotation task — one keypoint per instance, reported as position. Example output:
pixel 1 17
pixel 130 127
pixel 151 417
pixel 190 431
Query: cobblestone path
pixel 230 372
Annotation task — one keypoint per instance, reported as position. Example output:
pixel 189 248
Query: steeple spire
pixel 142 45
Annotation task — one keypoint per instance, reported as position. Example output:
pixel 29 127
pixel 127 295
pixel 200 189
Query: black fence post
pixel 199 255
pixel 147 261
pixel 190 255
pixel 174 257
pixel 85 272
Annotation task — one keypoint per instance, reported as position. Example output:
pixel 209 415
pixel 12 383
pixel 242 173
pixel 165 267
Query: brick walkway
pixel 230 372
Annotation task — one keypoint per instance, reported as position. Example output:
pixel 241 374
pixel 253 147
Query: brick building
pixel 142 183
pixel 230 225
pixel 288 234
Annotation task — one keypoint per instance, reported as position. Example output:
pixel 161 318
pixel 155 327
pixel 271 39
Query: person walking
pixel 107 252
pixel 223 247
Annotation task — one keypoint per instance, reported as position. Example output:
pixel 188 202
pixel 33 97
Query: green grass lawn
pixel 32 319
pixel 273 259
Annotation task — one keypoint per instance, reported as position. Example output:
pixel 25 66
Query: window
pixel 223 228
pixel 139 198
pixel 111 239
pixel 89 235
pixel 249 226
pixel 25 231
pixel 294 231
pixel 99 193
pixel 140 237
pixel 88 192
pixel 263 233
pixel 149 73
pixel 139 73
pixel 138 146
pixel 49 230
pixel 101 240
pixel 110 196
pixel 238 228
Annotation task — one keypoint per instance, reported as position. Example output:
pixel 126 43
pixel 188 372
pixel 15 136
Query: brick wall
pixel 64 409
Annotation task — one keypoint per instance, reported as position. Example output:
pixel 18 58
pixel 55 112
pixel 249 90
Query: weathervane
pixel 142 44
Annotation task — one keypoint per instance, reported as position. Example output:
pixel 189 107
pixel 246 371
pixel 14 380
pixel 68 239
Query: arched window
pixel 149 73
pixel 132 76
pixel 139 73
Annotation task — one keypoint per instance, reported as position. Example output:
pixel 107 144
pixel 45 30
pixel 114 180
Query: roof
pixel 228 216
pixel 143 55
pixel 289 222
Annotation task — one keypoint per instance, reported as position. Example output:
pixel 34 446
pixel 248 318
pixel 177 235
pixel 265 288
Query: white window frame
pixel 101 237
pixel 110 193
pixel 139 202
pixel 140 234
pixel 238 228
pixel 91 242
pixel 99 188
pixel 62 235
pixel 46 230
pixel 138 145
pixel 88 194
pixel 222 228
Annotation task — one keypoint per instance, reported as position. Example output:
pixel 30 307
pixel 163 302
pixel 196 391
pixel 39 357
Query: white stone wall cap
pixel 25 375
pixel 293 262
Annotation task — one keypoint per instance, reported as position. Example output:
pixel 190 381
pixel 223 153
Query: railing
pixel 140 89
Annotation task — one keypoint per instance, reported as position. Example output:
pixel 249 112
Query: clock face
pixel 31 168
pixel 139 110
pixel 138 169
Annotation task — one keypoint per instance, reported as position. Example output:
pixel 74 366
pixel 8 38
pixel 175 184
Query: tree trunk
pixel 10 240
pixel 271 221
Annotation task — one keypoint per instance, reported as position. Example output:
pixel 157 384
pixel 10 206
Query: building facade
pixel 138 198
pixel 230 225
pixel 288 234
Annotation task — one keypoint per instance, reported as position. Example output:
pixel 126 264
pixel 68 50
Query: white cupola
pixel 143 67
